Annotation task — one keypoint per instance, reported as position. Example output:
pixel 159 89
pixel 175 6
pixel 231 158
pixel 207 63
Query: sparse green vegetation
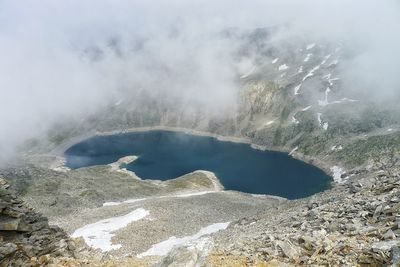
pixel 375 148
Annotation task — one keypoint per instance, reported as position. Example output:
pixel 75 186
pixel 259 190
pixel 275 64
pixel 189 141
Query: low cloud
pixel 67 58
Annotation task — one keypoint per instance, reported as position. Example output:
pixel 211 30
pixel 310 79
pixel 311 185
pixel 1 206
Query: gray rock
pixel 385 245
pixel 7 248
pixel 289 250
pixel 389 235
pixel 395 255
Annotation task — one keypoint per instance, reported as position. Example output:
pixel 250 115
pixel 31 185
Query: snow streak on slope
pixel 164 247
pixel 99 234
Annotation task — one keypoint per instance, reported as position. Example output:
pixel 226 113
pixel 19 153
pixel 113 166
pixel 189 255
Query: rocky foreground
pixel 25 236
pixel 356 224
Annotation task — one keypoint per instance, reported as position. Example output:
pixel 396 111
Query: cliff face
pixel 25 235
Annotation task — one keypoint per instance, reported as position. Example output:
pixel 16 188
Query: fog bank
pixel 69 58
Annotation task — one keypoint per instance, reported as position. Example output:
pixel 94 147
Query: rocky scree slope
pixel 356 224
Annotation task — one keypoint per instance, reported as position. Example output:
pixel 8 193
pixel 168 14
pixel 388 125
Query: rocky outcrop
pixel 26 239
pixel 356 224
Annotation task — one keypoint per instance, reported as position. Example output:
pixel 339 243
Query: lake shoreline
pixel 323 165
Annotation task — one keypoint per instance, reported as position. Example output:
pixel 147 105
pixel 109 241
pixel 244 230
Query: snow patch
pixel 310 46
pixel 293 150
pixel 275 60
pixel 99 234
pixel 319 118
pixel 294 120
pixel 324 125
pixel 325 59
pixel 269 122
pixel 311 73
pixel 300 70
pixel 330 80
pixel 337 174
pixel 306 108
pixel 336 148
pixel 247 74
pixel 296 89
pixel 345 99
pixel 307 57
pixel 349 99
pixel 164 247
pixel 283 67
pixel 325 101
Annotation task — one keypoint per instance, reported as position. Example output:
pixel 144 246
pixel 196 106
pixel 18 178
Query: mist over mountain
pixel 63 60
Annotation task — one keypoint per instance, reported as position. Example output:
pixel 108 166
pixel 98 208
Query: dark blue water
pixel 164 155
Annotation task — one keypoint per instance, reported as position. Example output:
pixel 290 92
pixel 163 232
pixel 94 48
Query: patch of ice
pixel 337 174
pixel 275 60
pixel 345 99
pixel 325 101
pixel 311 73
pixel 307 57
pixel 296 89
pixel 325 59
pixel 390 129
pixel 99 234
pixel 294 120
pixel 164 247
pixel 336 148
pixel 300 70
pixel 330 80
pixel 293 150
pixel 324 125
pixel 349 99
pixel 269 122
pixel 310 46
pixel 283 67
pixel 319 118
pixel 247 74
pixel 306 108
pixel 327 76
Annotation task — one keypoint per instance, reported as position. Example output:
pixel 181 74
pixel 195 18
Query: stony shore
pixel 324 165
